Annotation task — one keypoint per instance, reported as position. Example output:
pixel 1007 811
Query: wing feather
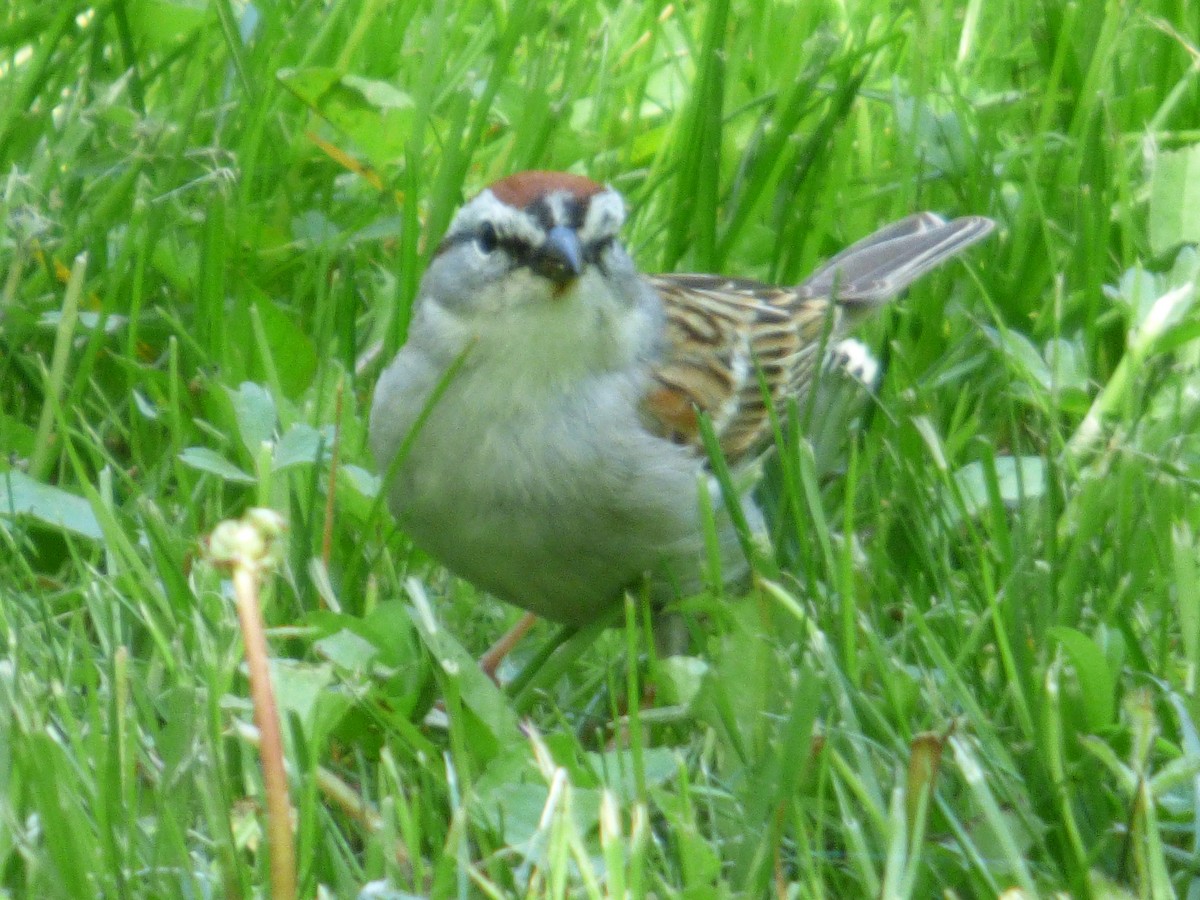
pixel 722 332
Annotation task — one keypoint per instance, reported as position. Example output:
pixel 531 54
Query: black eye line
pixel 488 240
pixel 593 252
pixel 518 250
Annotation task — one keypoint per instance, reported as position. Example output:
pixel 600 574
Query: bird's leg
pixel 490 661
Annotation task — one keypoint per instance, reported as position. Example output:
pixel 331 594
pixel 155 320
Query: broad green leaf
pixel 302 689
pixel 1022 353
pixel 290 346
pixel 1020 478
pixel 300 445
pixel 660 765
pixel 1175 199
pixel 683 679
pixel 165 24
pixel 374 114
pixel 205 460
pixel 360 480
pixel 298 685
pixel 16 436
pixel 254 411
pixel 347 650
pixel 314 229
pixel 53 507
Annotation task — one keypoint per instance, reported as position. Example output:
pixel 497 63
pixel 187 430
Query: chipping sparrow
pixel 547 400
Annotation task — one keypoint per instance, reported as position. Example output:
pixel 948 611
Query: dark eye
pixel 487 240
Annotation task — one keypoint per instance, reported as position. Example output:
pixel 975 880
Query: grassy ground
pixel 975 669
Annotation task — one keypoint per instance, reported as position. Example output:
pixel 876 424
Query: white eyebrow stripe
pixel 509 222
pixel 605 216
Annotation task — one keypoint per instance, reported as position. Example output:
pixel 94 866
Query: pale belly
pixel 557 512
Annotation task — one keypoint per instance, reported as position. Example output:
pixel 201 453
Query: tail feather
pixel 883 264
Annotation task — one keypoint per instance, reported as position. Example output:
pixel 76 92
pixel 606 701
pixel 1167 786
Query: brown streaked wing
pixel 719 331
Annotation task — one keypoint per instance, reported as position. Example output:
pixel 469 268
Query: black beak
pixel 560 258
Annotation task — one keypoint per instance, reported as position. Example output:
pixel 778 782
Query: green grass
pixel 975 666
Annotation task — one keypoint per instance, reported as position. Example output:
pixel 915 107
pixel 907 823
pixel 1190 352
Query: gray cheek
pixel 631 286
pixel 459 277
pixel 619 269
pixel 616 260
